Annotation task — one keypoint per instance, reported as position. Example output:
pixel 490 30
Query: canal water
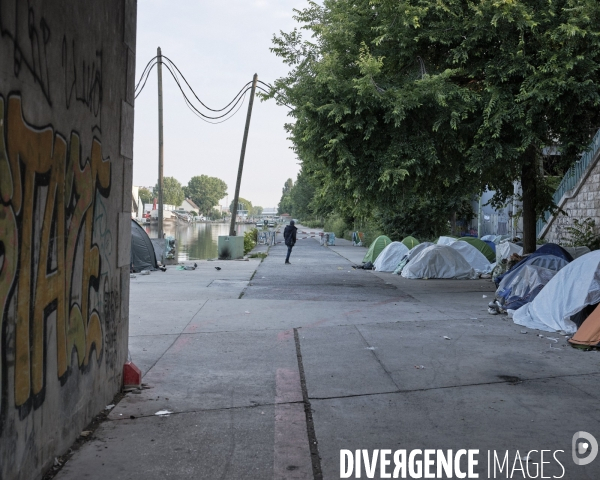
pixel 197 241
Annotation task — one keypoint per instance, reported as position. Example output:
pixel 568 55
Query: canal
pixel 197 241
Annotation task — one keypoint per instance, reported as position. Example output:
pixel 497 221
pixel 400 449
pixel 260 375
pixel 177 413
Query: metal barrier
pixel 571 178
pixel 266 238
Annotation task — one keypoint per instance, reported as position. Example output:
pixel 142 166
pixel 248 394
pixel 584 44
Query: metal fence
pixel 572 177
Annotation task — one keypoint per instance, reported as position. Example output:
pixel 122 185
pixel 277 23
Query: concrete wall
pixel 580 203
pixel 66 140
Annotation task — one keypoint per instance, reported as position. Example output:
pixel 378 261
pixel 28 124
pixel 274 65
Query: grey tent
pixel 142 251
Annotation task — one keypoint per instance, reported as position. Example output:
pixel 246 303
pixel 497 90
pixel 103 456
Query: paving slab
pixel 262 314
pixel 338 362
pixel 235 443
pixel 500 348
pixel 218 370
pixel 533 415
pixel 162 317
pixel 146 350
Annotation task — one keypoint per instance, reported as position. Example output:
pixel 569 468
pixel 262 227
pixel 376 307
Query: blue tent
pixel 548 249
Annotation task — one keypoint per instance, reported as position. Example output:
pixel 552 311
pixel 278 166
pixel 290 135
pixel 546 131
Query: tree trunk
pixel 529 186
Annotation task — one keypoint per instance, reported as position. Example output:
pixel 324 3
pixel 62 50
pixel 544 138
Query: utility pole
pixel 160 148
pixel 241 167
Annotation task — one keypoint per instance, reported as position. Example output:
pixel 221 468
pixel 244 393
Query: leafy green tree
pixel 372 133
pixel 256 211
pixel 413 105
pixel 287 186
pixel 285 203
pixel 205 191
pixel 245 205
pixel 145 195
pixel 173 192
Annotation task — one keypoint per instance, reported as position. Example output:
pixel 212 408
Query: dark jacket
pixel 289 234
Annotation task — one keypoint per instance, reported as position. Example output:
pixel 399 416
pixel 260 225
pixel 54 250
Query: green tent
pixel 482 247
pixel 410 242
pixel 376 247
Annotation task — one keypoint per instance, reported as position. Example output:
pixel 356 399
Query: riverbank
pixel 269 370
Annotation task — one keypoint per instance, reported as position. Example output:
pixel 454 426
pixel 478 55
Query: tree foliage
pixel 173 192
pixel 405 108
pixel 245 204
pixel 206 192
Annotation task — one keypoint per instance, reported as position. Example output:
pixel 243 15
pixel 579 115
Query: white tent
pixel 446 240
pixel 410 255
pixel 475 258
pixel 572 289
pixel 390 257
pixel 506 249
pixel 438 261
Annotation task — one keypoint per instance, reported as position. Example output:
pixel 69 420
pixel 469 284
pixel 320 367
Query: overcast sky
pixel 218 46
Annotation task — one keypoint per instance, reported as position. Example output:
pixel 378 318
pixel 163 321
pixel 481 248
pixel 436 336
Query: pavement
pixel 262 370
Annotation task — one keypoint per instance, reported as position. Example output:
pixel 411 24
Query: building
pixel 189 206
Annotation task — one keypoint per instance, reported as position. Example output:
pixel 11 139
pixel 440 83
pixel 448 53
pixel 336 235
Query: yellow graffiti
pixel 65 229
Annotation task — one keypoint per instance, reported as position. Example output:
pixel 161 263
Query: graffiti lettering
pixel 47 198
pixel 31 53
pixel 87 87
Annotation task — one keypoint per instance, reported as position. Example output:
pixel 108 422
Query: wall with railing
pixel 577 194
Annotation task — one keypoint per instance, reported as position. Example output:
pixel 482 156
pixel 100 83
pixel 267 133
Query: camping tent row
pixel 568 302
pixel 449 258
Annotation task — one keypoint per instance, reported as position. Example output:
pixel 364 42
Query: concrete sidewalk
pixel 269 370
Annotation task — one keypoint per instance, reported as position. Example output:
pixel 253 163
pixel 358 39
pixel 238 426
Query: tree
pixel 285 203
pixel 173 193
pixel 256 211
pixel 245 204
pixel 287 186
pixel 145 196
pixel 372 133
pixel 205 192
pixel 403 103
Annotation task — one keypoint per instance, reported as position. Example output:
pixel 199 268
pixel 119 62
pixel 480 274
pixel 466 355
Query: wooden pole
pixel 160 147
pixel 241 167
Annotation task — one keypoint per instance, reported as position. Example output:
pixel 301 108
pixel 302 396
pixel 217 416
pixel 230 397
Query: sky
pixel 218 46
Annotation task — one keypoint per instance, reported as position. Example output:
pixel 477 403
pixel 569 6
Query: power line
pixel 234 104
pixel 190 103
pixel 205 106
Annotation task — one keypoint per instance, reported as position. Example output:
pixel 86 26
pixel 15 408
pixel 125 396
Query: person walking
pixel 289 235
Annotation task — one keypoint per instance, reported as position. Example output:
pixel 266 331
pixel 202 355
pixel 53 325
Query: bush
pixel 582 233
pixel 250 237
pixel 335 224
pixel 313 223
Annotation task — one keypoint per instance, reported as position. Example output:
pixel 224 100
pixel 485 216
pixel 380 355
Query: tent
pixel 488 252
pixel 142 251
pixel 411 254
pixel 390 257
pixel 506 249
pixel 589 331
pixel 438 261
pixel 483 247
pixel 548 249
pixel 577 252
pixel 376 248
pixel 522 288
pixel 410 242
pixel 446 240
pixel 571 290
pixel 473 256
pixel 547 262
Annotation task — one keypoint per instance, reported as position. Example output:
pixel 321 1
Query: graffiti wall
pixel 66 135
